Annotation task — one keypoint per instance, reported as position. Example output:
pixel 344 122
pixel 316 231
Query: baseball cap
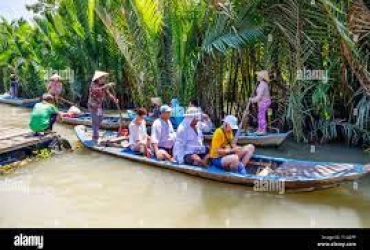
pixel 232 121
pixel 47 97
pixel 165 108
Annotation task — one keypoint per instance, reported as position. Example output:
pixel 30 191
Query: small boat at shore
pixel 110 122
pixel 18 144
pixel 19 102
pixel 287 174
pixel 267 140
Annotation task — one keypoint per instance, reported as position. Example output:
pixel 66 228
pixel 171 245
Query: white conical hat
pixel 55 77
pixel 156 100
pixel 98 74
pixel 264 74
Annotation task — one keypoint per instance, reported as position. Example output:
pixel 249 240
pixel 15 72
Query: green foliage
pixel 197 49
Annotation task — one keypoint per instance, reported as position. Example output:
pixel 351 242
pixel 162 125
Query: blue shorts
pixel 217 162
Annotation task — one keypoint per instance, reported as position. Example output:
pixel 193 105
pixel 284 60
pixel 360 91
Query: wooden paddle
pixel 72 104
pixel 245 114
pixel 120 113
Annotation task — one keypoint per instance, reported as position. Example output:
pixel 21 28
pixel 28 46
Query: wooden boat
pixel 17 144
pixel 26 103
pixel 109 121
pixel 268 140
pixel 290 174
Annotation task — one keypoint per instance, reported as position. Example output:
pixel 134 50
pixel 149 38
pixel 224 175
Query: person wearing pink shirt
pixel 55 86
pixel 263 100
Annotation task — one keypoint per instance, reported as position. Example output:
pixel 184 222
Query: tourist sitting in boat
pixel 225 153
pixel 55 86
pixel 189 147
pixel 97 93
pixel 44 115
pixel 14 86
pixel 205 121
pixel 163 135
pixel 139 141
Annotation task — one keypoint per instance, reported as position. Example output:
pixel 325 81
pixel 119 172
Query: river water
pixel 88 189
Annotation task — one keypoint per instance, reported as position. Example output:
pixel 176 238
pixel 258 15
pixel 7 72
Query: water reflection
pixel 88 189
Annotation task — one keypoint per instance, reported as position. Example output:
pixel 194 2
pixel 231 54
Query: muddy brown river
pixel 88 189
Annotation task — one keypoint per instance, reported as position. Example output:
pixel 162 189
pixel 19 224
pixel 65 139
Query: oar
pixel 245 113
pixel 72 104
pixel 120 114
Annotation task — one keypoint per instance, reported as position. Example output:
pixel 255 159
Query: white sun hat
pixel 232 121
pixel 99 74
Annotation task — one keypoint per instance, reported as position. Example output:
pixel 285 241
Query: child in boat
pixel 189 147
pixel 139 141
pixel 97 93
pixel 55 86
pixel 263 100
pixel 224 153
pixel 44 115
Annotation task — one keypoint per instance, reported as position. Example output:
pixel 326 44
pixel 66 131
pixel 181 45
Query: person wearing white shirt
pixel 163 135
pixel 139 141
pixel 189 147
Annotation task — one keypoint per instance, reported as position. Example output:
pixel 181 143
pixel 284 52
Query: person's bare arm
pixel 111 96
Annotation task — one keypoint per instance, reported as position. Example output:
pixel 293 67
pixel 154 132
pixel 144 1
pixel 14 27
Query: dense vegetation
pixel 209 50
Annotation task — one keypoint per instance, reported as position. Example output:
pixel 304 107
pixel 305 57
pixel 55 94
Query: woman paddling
pixel 97 94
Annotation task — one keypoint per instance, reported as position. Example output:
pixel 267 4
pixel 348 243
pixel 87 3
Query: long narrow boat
pixel 19 102
pixel 268 140
pixel 287 174
pixel 109 121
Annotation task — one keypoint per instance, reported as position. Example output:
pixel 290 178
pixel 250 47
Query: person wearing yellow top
pixel 224 153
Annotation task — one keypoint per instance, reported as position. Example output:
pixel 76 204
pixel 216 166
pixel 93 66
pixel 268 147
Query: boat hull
pixel 269 140
pixel 345 172
pixel 25 103
pixel 109 122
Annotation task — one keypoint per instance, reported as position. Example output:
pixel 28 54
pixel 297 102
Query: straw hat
pixel 264 74
pixel 156 100
pixel 55 77
pixel 99 74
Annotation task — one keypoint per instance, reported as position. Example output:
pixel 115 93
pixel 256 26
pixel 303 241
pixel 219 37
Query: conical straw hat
pixel 156 100
pixel 55 77
pixel 264 74
pixel 98 74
